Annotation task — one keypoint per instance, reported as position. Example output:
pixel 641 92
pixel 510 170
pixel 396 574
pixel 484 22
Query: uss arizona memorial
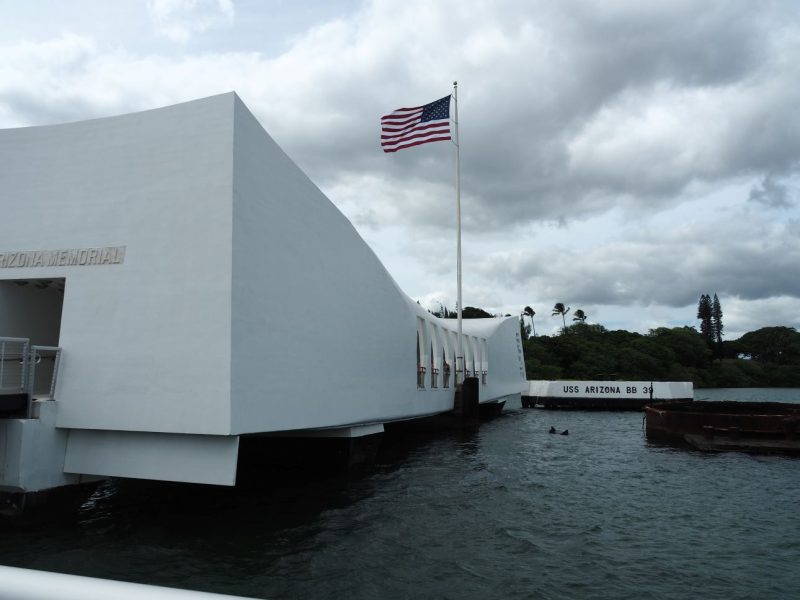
pixel 161 277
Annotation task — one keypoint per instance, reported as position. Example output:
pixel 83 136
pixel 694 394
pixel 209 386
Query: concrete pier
pixel 466 409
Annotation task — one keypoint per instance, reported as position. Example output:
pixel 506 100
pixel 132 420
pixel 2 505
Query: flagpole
pixel 459 352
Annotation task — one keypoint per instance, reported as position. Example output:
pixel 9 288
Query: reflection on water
pixel 749 394
pixel 510 511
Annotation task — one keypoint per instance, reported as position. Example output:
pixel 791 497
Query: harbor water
pixel 508 512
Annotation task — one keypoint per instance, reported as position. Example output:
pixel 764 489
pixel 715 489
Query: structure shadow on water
pixel 208 537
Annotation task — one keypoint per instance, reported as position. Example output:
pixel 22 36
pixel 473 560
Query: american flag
pixel 408 127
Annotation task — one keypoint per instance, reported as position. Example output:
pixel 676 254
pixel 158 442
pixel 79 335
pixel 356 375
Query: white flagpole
pixel 459 352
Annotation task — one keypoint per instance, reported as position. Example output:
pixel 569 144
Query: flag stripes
pixel 407 127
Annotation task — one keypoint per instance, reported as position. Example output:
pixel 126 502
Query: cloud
pixel 597 121
pixel 567 109
pixel 568 112
pixel 747 258
pixel 179 20
pixel 740 316
pixel 771 193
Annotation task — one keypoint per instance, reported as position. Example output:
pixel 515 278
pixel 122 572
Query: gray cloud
pixel 771 193
pixel 572 109
pixel 570 112
pixel 741 316
pixel 567 109
pixel 744 258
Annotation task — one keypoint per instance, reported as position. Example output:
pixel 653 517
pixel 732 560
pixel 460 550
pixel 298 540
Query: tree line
pixel 767 357
pixel 559 309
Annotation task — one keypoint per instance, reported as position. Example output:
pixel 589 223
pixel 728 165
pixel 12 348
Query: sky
pixel 621 157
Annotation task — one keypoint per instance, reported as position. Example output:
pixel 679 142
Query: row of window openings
pixel 447 375
pixel 421 371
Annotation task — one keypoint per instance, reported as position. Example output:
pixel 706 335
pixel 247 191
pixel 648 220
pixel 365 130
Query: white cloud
pixel 179 20
pixel 608 150
pixel 740 316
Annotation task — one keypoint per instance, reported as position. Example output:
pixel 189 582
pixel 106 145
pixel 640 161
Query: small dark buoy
pixel 552 430
pixel 565 432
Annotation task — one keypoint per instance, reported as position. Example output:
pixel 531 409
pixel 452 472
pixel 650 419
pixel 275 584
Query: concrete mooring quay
pixel 608 395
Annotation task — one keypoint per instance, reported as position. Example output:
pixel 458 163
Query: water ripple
pixel 511 512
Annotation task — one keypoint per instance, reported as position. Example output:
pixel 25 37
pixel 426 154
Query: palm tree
pixel 530 312
pixel 579 316
pixel 559 309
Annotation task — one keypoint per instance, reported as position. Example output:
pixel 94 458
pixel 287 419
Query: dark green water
pixel 510 512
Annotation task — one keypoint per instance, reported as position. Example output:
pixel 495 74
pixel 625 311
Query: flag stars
pixel 408 127
pixel 440 109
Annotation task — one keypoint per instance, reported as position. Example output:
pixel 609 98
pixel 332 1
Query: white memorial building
pixel 171 281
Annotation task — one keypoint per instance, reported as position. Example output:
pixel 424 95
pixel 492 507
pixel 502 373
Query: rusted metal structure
pixel 756 427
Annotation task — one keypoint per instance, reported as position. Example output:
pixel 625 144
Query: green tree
pixel 667 354
pixel 704 314
pixel 580 316
pixel 778 345
pixel 716 320
pixel 559 309
pixel 470 312
pixel 686 343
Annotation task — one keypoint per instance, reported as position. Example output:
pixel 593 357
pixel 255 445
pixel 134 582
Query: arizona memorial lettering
pixel 111 255
pixel 605 389
pixel 616 395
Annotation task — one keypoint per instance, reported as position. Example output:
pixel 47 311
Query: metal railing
pixel 28 370
pixel 13 365
pixel 44 361
pixel 420 377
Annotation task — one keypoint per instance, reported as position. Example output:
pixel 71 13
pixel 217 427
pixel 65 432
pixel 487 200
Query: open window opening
pixel 30 333
pixel 31 308
pixel 420 367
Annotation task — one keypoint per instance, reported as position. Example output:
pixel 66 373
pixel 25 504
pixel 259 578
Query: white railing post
pixel 56 364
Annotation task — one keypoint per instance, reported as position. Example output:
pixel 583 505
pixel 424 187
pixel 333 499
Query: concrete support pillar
pixel 466 405
pixel 362 451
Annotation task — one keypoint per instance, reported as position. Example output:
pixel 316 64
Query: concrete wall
pixel 506 364
pixel 322 336
pixel 32 452
pixel 207 459
pixel 321 333
pixel 146 342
